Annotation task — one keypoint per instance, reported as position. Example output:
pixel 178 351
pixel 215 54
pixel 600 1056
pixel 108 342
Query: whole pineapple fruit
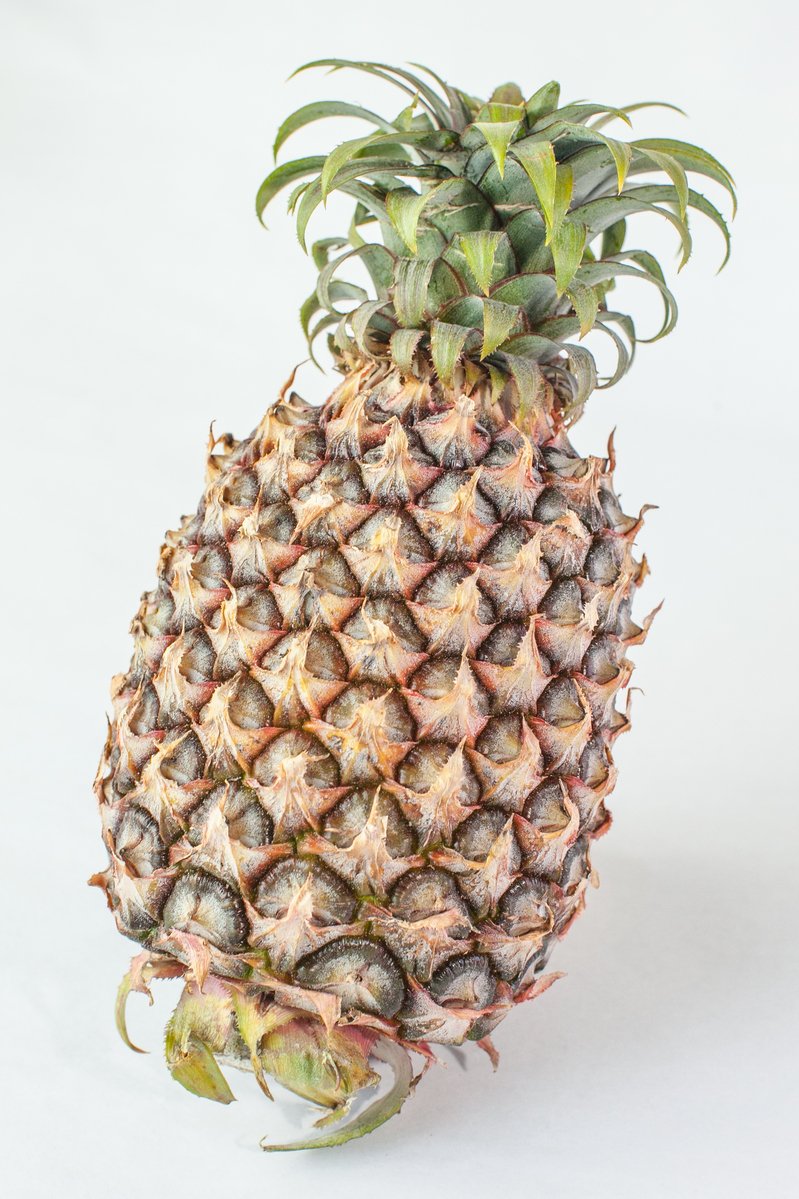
pixel 365 740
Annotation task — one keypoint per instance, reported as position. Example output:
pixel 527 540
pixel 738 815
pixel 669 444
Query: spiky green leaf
pixel 403 346
pixel 320 109
pixel 585 301
pixel 692 158
pixel 567 252
pixel 283 176
pixel 411 280
pixel 404 207
pixel 376 1113
pixel 498 135
pixel 480 249
pixel 543 102
pixel 538 160
pixel 446 346
pixel 676 172
pixel 498 321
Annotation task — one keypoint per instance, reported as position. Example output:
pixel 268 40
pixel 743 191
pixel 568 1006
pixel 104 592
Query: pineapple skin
pixel 365 739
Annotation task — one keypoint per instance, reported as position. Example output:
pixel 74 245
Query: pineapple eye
pixel 333 901
pixel 594 763
pixel 545 807
pixel 144 717
pixel 559 703
pixel 602 563
pixel 501 739
pixel 425 892
pixel 212 567
pixel 348 818
pixel 197 664
pixel 523 908
pixel 563 603
pixel 139 843
pixel 502 643
pixel 186 762
pixel 475 837
pixel 257 610
pixel 249 708
pixel 464 982
pixel 362 972
pixel 204 905
pixel 242 489
pixel 246 820
pixel 277 522
pixel 601 662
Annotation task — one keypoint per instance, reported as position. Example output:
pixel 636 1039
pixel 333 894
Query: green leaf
pixel 379 263
pixel 676 172
pixel 463 310
pixel 536 294
pixel 320 250
pixel 580 113
pixel 335 290
pixel 284 176
pixel 533 346
pixel 394 75
pixel 480 249
pixel 530 383
pixel 411 280
pixel 692 158
pixel 498 321
pixel 585 302
pixel 538 160
pixel 613 239
pixel 567 252
pixel 598 215
pixel 199 1025
pixel 460 114
pixel 620 152
pixel 647 268
pixel 344 180
pixel 624 356
pixel 582 369
pixel 622 157
pixel 446 346
pixel 564 183
pixel 376 1113
pixel 195 1068
pixel 508 94
pixel 498 134
pixel 403 345
pixel 361 319
pixel 325 108
pixel 628 108
pixel 340 157
pixel 119 1012
pixel 543 102
pixel 404 207
pixel 355 149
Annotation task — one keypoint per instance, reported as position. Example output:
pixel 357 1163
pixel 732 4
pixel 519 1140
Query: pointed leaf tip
pixel 498 135
pixel 480 249
pixel 375 1114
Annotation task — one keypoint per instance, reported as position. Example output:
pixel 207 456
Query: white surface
pixel 140 299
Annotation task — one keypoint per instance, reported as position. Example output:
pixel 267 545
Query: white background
pixel 140 299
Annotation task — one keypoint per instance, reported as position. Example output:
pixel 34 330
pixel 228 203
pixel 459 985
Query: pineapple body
pixel 364 742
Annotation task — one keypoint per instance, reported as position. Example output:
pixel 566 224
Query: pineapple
pixel 366 737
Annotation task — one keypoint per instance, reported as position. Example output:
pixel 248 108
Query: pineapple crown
pixel 492 232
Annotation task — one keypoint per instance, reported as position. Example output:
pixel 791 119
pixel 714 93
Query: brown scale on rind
pixel 364 742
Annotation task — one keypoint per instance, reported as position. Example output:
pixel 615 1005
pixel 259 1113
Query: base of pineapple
pixel 311 1050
